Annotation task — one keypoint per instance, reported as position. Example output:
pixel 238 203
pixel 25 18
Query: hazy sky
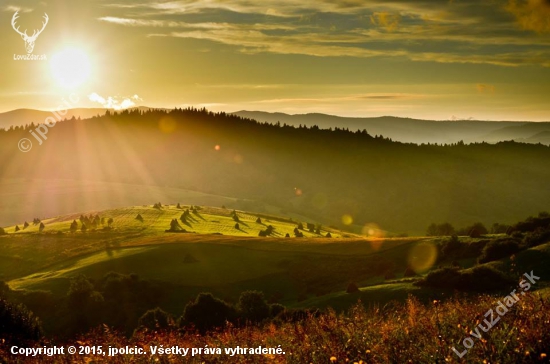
pixel 434 59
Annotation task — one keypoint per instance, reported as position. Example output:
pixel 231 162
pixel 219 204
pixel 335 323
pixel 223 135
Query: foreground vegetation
pixel 397 333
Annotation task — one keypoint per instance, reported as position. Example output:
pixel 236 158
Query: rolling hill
pixel 341 178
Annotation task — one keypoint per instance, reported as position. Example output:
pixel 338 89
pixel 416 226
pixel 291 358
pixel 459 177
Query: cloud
pixel 14 8
pixel 114 102
pixel 533 15
pixel 465 31
pixel 484 88
pixel 385 20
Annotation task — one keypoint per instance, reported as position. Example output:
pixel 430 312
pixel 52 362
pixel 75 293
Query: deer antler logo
pixel 29 41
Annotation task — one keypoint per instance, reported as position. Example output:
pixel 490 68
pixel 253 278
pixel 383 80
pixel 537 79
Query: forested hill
pixel 324 174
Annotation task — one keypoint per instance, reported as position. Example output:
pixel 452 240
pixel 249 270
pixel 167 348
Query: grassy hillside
pixel 318 173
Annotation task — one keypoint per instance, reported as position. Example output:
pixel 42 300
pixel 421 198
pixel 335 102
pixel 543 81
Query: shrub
pixel 253 306
pixel 4 289
pixel 259 220
pixel 498 249
pixel 478 279
pixel 536 238
pixel 409 272
pixel 352 288
pixel 451 245
pixel 139 218
pixel 156 319
pixel 474 231
pixel 276 309
pixel 2 231
pixel 17 324
pixel 207 313
pixel 237 226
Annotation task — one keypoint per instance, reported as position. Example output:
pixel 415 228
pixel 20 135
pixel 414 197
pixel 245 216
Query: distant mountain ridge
pixel 22 117
pixel 399 129
pixel 415 130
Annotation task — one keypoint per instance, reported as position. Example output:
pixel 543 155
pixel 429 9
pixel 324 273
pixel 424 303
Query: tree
pixel 2 231
pixel 178 206
pixel 207 313
pixel 156 319
pixel 83 228
pixel 84 304
pixel 259 220
pixel 477 230
pixel 300 226
pixel 17 228
pixel 25 225
pixel 237 226
pixel 444 229
pixel 110 221
pixel 41 227
pixel 139 218
pixel 18 325
pixel 287 235
pixel 329 235
pixel 236 218
pixel 253 306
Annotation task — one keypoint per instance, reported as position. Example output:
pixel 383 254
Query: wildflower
pixel 333 359
pixel 543 355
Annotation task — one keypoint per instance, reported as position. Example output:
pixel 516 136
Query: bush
pixel 444 229
pixel 2 231
pixel 409 272
pixel 156 319
pixel 451 246
pixel 498 249
pixel 474 231
pixel 4 289
pixel 253 306
pixel 352 288
pixel 536 238
pixel 17 324
pixel 478 279
pixel 207 313
pixel 276 309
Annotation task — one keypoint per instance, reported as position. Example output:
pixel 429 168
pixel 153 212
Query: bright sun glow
pixel 70 68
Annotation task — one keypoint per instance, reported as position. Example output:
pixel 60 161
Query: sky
pixel 430 59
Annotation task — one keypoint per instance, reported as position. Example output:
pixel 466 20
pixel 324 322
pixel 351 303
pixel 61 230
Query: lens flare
pixel 347 220
pixel 167 125
pixel 422 257
pixel 372 230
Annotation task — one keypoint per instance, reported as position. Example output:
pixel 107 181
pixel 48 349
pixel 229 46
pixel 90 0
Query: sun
pixel 70 68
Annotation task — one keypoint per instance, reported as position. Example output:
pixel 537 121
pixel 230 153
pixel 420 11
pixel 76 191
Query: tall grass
pixel 410 332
